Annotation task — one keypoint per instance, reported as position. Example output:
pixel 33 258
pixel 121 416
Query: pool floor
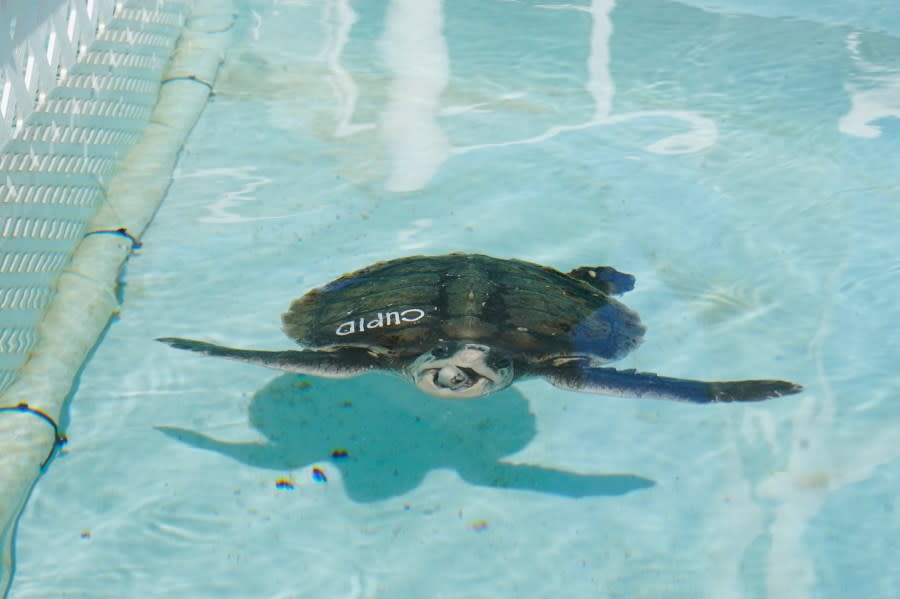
pixel 741 166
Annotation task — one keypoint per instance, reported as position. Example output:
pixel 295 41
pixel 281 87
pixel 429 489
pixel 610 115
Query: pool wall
pixel 97 101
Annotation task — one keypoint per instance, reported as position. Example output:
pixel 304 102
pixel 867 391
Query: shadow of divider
pixel 385 436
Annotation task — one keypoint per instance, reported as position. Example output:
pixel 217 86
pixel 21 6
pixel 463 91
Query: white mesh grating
pixel 14 340
pixel 123 60
pixel 42 41
pixel 24 298
pixel 40 228
pixel 50 195
pixel 77 93
pixel 108 109
pixel 79 135
pixel 94 83
pixel 141 41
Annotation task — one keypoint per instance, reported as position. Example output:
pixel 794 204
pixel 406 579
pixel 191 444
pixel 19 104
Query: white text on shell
pixel 382 319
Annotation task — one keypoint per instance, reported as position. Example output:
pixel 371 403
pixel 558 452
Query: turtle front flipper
pixel 336 363
pixel 630 383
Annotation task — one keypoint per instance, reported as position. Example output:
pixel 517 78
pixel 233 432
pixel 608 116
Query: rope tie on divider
pixel 193 78
pixel 59 438
pixel 121 231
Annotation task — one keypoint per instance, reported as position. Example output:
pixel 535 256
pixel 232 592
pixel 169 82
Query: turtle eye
pixel 498 361
pixel 441 351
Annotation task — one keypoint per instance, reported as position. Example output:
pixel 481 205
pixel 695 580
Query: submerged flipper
pixel 630 383
pixel 605 278
pixel 335 363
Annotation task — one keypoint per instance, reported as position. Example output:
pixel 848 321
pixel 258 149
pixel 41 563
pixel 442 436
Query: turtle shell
pixel 405 306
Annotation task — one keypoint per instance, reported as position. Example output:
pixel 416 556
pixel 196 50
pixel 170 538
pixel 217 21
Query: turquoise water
pixel 742 166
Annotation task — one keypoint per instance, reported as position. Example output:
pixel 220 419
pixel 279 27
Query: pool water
pixel 739 160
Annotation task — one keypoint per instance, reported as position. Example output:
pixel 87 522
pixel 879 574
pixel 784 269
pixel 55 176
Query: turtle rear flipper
pixel 340 362
pixel 629 383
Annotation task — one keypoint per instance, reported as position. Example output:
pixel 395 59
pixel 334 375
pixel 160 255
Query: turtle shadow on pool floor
pixel 393 435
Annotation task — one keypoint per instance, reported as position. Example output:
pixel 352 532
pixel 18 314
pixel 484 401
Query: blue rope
pixel 60 438
pixel 122 231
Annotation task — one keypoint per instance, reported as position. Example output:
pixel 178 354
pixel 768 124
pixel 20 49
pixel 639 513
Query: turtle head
pixel 459 370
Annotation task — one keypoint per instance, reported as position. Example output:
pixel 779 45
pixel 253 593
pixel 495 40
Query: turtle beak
pixel 454 377
pixel 461 371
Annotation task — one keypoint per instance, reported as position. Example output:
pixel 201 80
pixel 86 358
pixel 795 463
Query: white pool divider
pixel 97 98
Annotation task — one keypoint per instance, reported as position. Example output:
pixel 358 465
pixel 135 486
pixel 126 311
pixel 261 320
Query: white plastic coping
pixel 86 291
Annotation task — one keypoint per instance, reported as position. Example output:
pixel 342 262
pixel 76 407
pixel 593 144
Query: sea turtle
pixel 461 326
